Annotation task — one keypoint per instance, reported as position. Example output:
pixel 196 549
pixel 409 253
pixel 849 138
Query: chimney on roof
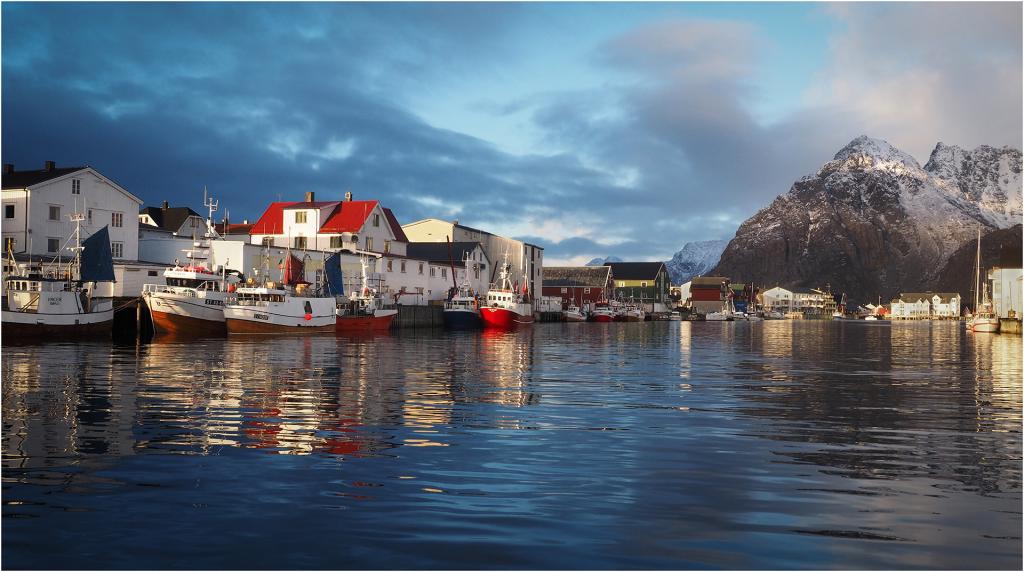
pixel 309 196
pixel 245 221
pixel 8 168
pixel 49 166
pixel 166 206
pixel 348 196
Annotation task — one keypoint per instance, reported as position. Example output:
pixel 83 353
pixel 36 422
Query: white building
pixel 526 259
pixel 37 206
pixel 777 298
pixel 925 305
pixel 1006 291
pixel 179 221
pixel 466 259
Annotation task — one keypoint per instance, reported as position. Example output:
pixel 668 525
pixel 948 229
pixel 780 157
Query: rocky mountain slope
pixel 998 248
pixel 872 222
pixel 695 259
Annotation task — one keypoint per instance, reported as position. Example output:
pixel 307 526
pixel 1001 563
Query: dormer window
pixel 376 220
pixel 300 217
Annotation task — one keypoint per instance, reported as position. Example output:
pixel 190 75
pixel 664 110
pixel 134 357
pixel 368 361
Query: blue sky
pixel 592 129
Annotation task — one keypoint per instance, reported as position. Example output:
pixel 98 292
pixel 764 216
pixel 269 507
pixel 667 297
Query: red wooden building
pixel 708 293
pixel 582 284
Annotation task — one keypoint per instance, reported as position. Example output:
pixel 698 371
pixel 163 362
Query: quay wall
pixel 1009 326
pixel 419 317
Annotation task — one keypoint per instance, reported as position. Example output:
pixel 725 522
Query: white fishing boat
pixel 573 313
pixel 289 309
pixel 191 300
pixel 985 319
pixel 603 312
pixel 719 317
pixel 632 313
pixel 63 304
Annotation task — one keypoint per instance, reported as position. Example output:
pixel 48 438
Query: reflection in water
pixel 662 445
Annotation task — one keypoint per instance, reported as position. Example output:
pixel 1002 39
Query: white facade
pixel 302 228
pixel 777 298
pixel 925 305
pixel 526 259
pixel 36 219
pixel 1007 295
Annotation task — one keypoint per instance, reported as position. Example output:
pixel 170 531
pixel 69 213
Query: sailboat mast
pixel 977 272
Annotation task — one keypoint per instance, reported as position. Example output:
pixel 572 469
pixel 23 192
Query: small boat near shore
pixel 603 312
pixel 985 319
pixel 365 309
pixel 574 314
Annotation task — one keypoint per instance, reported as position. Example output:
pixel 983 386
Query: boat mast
pixel 77 218
pixel 977 272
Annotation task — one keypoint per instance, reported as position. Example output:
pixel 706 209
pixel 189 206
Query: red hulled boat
pixel 506 307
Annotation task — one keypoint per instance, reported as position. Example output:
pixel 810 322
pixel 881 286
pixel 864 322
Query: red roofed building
pixel 330 225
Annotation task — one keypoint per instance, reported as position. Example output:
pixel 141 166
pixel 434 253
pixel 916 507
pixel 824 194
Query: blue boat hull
pixel 461 320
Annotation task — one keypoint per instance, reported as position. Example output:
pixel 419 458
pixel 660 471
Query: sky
pixel 591 129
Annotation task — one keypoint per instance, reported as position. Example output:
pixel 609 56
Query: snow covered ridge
pixel 695 259
pixel 600 261
pixel 873 222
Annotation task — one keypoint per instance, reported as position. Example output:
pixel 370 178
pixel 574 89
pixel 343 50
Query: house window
pixel 117 249
pixel 52 244
pixel 387 246
pixel 419 289
pixel 335 242
pixel 403 266
pixel 476 272
pixel 376 220
pixel 117 220
pixel 90 216
pixel 267 241
pixel 643 285
pixel 300 217
pixel 433 271
pixel 622 284
pixel 369 243
pixel 565 290
pixel 8 211
pixel 152 273
pixel 300 242
pixel 444 273
pixel 76 186
pixel 586 290
pixel 54 212
pixel 389 265
pixel 421 268
pixel 9 244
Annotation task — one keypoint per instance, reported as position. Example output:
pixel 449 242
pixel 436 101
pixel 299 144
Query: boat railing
pixel 165 289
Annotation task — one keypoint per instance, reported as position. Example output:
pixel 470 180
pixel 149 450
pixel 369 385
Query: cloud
pixel 261 101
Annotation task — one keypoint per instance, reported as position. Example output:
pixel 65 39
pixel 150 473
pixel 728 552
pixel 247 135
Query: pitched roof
pixel 585 276
pixel 26 179
pixel 232 228
pixel 944 297
pixel 313 205
pixel 169 219
pixel 271 221
pixel 715 281
pixel 396 228
pixel 636 270
pixel 437 252
pixel 349 216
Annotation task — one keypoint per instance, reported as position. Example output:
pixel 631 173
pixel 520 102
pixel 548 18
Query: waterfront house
pixel 466 259
pixel 1006 291
pixel 644 282
pixel 526 259
pixel 925 305
pixel 579 284
pixel 777 299
pixel 708 293
pixel 37 205
pixel 179 221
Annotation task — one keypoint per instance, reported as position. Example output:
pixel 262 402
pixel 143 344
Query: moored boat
pixel 64 305
pixel 505 306
pixel 573 313
pixel 288 310
pixel 632 313
pixel 365 309
pixel 191 301
pixel 985 319
pixel 602 312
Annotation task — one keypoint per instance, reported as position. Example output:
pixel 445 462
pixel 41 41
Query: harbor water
pixel 782 444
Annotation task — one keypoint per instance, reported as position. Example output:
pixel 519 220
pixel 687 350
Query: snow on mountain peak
pixel 866 152
pixel 695 259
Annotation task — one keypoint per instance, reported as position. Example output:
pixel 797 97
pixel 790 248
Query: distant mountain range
pixel 695 259
pixel 872 222
pixel 601 261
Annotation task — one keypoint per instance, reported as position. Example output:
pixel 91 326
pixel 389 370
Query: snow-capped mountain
pixel 872 222
pixel 601 261
pixel 695 259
